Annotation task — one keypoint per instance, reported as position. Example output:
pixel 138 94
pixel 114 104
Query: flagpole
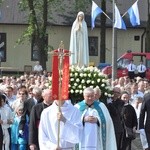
pixel 106 15
pixel 113 43
pixel 114 47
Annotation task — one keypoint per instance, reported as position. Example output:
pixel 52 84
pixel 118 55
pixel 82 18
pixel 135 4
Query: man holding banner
pixel 70 126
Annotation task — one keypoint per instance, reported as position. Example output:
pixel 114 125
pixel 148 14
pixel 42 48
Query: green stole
pixel 82 108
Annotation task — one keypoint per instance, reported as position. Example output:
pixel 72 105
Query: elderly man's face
pixel 89 97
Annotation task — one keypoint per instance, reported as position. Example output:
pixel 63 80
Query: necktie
pixel 131 67
pixel 141 67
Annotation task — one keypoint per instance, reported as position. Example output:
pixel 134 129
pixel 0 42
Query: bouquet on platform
pixel 83 77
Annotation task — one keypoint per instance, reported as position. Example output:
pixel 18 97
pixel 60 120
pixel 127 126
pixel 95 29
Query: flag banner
pixel 55 76
pixel 65 77
pixel 94 13
pixel 64 93
pixel 133 12
pixel 119 23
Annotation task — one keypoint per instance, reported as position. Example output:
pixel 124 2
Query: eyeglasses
pixel 21 93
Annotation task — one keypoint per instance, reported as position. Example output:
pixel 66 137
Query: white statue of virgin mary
pixel 79 42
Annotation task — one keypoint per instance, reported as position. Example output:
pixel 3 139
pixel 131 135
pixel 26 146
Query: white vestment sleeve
pixel 72 129
pixel 44 142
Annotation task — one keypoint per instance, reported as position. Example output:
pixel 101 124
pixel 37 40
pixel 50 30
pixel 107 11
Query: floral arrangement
pixel 83 77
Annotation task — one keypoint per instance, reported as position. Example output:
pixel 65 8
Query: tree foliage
pixel 39 13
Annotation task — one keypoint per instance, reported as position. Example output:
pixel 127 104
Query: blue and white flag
pixel 95 12
pixel 119 23
pixel 133 12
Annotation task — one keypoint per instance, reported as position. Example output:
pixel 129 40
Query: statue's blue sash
pixel 83 106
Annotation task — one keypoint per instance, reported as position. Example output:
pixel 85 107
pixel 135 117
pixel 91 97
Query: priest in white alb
pixel 98 130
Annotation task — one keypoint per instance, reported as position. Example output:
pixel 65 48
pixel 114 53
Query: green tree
pixel 36 32
pixel 40 12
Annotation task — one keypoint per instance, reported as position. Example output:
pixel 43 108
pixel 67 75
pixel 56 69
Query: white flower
pixel 81 91
pixel 94 75
pixel 84 69
pixel 103 80
pixel 73 87
pixel 71 75
pixel 77 80
pixel 91 69
pixel 85 75
pixel 76 74
pixel 84 87
pixel 100 74
pixel 76 91
pixel 88 81
pixel 102 85
pixel 72 79
pixel 105 94
pixel 98 80
pixel 92 82
pixel 89 75
pixel 81 74
pixel 72 91
pixel 83 81
pixel 80 86
pixel 50 78
pixel 75 84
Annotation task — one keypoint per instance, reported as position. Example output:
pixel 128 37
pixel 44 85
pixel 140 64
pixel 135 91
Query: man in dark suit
pixel 35 119
pixel 145 124
pixel 115 106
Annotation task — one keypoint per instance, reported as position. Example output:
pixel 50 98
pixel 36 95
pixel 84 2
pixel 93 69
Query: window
pixel 123 63
pixel 93 46
pixel 136 38
pixel 3 47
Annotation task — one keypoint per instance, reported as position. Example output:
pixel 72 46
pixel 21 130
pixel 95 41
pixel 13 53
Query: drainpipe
pixel 142 40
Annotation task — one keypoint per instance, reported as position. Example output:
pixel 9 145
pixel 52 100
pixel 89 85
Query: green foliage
pixel 81 5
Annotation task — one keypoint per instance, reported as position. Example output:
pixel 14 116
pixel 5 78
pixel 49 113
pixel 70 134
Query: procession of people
pixel 31 117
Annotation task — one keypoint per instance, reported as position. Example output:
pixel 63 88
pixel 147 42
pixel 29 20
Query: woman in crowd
pixel 129 120
pixel 18 141
pixel 5 121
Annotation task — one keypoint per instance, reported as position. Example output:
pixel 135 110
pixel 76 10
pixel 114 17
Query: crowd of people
pixel 30 118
